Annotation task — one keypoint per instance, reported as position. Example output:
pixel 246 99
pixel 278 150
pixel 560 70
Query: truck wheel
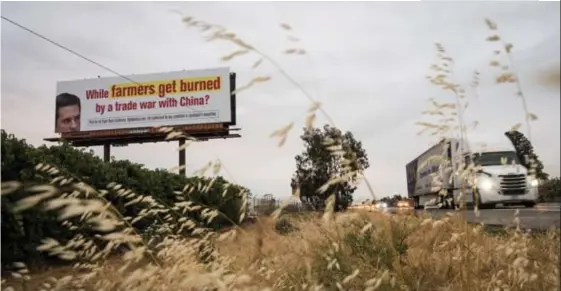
pixel 487 206
pixel 450 203
pixel 484 206
pixel 529 204
pixel 416 203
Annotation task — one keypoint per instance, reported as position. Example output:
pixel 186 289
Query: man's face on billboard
pixel 68 119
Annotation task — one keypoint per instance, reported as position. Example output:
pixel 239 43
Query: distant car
pixel 382 205
pixel 403 204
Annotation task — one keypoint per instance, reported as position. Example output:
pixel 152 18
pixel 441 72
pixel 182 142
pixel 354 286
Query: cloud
pixel 367 63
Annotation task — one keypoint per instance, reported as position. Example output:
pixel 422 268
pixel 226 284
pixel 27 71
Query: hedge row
pixel 22 232
pixel 550 190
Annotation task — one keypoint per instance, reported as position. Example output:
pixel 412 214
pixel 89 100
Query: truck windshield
pixel 496 159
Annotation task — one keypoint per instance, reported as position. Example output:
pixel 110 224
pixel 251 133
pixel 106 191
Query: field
pixel 352 251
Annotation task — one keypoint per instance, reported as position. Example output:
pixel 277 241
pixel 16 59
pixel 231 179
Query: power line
pixel 66 48
pixel 84 58
pixel 71 51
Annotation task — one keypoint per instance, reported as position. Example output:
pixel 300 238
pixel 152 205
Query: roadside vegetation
pixel 120 226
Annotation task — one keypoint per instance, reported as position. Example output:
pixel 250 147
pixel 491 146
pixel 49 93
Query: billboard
pixel 137 101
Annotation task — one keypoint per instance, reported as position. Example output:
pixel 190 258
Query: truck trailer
pixel 437 177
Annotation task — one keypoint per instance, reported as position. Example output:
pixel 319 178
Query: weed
pixel 302 251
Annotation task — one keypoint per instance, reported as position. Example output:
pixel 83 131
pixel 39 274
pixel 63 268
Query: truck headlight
pixel 534 183
pixel 485 184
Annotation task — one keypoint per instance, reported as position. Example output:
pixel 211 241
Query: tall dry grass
pixel 354 251
pixel 329 251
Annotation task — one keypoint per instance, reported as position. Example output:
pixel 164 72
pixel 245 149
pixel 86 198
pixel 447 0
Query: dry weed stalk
pixel 355 251
pixel 451 119
pixel 217 32
pixel 443 128
pixel 508 74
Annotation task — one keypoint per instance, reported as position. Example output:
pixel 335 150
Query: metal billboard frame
pixel 139 135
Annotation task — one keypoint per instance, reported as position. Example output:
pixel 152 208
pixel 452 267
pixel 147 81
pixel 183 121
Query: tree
pixel 385 199
pixel 525 152
pixel 550 190
pixel 328 153
pixel 396 198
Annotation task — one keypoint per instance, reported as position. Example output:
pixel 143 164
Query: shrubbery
pixel 550 190
pixel 22 232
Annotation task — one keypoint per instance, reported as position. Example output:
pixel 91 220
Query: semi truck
pixel 437 177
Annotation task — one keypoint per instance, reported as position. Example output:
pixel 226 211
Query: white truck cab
pixel 498 177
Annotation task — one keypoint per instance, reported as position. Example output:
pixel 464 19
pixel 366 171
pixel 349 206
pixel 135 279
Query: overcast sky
pixel 366 62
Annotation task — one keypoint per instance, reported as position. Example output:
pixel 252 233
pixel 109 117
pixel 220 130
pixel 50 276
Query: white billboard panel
pixel 164 99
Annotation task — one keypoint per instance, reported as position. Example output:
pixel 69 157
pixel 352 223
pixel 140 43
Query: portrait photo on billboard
pixel 67 113
pixel 148 100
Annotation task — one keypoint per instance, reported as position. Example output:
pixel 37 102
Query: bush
pixel 23 232
pixel 410 253
pixel 550 190
pixel 283 226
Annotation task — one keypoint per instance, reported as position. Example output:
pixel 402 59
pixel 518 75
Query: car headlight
pixel 485 184
pixel 534 183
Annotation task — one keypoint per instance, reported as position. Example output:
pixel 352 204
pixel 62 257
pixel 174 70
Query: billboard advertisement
pixel 163 99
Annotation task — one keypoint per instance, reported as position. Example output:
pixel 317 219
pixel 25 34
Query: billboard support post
pixel 182 171
pixel 106 152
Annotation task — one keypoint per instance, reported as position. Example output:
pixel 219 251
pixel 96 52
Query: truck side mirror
pixel 484 173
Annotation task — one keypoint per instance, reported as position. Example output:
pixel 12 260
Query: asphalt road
pixel 541 217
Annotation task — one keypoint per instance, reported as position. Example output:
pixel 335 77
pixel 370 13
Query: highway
pixel 541 217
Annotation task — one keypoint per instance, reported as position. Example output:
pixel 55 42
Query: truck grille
pixel 513 184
